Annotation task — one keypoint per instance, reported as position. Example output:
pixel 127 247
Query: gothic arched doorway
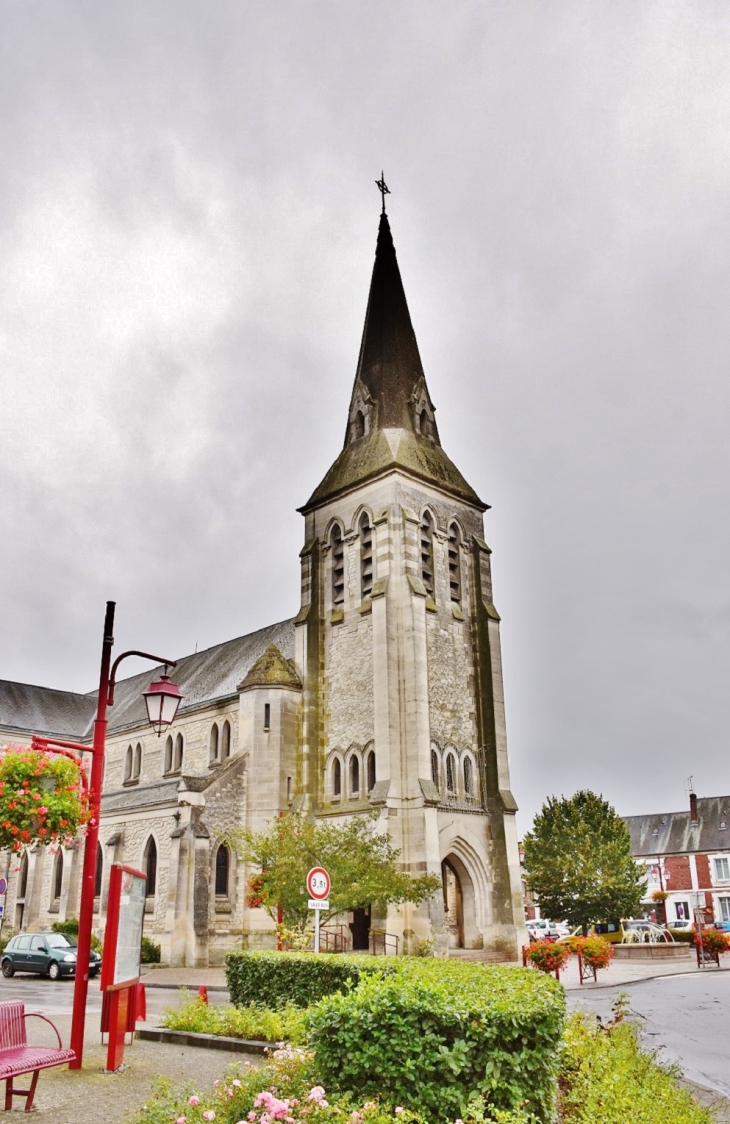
pixel 453 905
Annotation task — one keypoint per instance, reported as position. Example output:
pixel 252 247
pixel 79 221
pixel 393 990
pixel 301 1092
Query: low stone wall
pixel 653 951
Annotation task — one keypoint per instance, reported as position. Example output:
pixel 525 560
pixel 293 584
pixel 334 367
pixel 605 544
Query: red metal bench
pixel 17 1057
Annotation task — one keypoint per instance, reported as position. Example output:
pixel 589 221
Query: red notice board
pixel 124 921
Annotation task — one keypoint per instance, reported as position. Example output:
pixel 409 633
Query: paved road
pixel 686 1018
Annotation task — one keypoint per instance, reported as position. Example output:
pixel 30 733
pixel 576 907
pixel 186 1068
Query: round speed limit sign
pixel 318 883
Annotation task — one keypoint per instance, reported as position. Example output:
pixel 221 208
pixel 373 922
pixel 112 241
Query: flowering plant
pixel 255 891
pixel 713 940
pixel 42 799
pixel 547 955
pixel 596 952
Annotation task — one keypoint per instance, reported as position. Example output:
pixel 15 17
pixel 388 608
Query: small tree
pixel 579 864
pixel 361 862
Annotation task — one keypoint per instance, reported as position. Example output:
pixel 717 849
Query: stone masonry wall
pixel 349 684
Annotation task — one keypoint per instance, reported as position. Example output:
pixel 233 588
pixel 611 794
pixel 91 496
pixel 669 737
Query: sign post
pixel 318 888
pixel 122 952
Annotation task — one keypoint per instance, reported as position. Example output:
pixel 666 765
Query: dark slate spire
pixel 391 423
pixel 389 367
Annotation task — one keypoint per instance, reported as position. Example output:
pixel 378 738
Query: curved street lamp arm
pixel 118 660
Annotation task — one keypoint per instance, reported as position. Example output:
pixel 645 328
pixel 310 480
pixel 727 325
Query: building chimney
pixel 693 807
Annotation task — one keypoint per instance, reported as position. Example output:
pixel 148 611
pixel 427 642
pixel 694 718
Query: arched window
pixel 222 867
pixel 168 755
pixel 371 770
pixel 468 777
pixel 137 767
pixel 226 741
pixel 99 871
pixel 128 763
pixel 337 777
pixel 23 878
pixel 177 760
pixel 354 776
pixel 213 749
pixel 57 875
pixel 450 773
pixel 150 867
pixel 435 767
pixel 454 562
pixel 338 566
pixel 427 552
pixel 424 423
pixel 366 557
pixel 359 425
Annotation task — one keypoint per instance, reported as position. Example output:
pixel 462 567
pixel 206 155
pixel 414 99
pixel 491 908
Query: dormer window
pixel 358 425
pixel 366 557
pixel 427 552
pixel 338 566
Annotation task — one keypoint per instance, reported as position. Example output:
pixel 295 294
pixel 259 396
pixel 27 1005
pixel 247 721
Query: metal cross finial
pixel 383 188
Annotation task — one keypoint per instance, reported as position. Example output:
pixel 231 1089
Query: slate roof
pixel 43 710
pixel 202 677
pixel 672 833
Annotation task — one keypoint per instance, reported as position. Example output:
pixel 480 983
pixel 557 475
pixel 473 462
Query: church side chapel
pixel 383 694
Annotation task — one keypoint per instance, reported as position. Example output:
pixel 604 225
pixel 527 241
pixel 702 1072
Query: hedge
pixel 435 1035
pixel 278 978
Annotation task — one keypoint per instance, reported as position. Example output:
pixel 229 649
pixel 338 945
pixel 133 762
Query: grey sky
pixel 187 227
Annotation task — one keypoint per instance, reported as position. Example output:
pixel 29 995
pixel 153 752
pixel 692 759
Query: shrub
pixel 606 1077
pixel 683 936
pixel 150 951
pixel 548 956
pixel 71 928
pixel 436 1034
pixel 286 1088
pixel 296 977
pixel 252 1022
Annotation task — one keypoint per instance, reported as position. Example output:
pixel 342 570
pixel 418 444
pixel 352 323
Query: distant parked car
pixel 723 926
pixel 48 954
pixel 681 923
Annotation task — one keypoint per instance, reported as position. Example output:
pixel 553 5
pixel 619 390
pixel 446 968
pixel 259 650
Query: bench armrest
pixel 37 1015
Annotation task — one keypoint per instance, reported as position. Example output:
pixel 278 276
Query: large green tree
pixel 578 861
pixel 362 863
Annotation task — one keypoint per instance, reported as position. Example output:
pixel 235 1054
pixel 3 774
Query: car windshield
pixel 60 940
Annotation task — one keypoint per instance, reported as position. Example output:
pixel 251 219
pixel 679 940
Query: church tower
pixel 397 645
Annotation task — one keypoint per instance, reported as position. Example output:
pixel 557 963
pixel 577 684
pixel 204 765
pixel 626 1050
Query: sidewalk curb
pixel 187 986
pixel 582 988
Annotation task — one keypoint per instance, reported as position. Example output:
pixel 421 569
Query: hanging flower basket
pixel 43 798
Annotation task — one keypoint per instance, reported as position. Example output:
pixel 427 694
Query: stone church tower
pixel 383 694
pixel 398 646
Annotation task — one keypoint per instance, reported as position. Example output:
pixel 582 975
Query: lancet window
pixel 454 562
pixel 338 566
pixel 226 741
pixel 366 556
pixel 371 770
pixel 427 552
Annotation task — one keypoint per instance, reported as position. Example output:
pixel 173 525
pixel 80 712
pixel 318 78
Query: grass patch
pixel 254 1021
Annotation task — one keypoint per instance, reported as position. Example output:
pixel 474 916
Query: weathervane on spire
pixel 383 188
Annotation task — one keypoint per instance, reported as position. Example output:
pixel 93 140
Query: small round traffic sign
pixel 318 883
pixel 3 886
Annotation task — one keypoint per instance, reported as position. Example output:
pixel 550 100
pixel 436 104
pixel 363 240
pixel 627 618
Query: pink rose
pixel 209 1115
pixel 194 1100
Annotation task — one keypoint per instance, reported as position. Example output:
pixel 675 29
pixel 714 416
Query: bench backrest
pixel 12 1025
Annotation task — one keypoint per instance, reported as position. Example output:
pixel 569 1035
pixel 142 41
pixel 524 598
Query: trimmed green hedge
pixel 683 936
pixel 278 978
pixel 435 1035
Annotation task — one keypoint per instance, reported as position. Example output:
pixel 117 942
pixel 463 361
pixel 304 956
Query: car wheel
pixel 54 971
pixel 8 969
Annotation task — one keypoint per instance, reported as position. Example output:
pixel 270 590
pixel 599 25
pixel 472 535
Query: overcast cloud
pixel 187 227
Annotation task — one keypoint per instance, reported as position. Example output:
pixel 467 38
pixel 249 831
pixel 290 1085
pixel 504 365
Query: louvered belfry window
pixel 366 557
pixel 338 566
pixel 427 552
pixel 454 562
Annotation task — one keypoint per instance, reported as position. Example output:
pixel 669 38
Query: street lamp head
pixel 162 698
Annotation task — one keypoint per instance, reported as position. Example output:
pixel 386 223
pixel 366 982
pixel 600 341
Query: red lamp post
pixel 162 699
